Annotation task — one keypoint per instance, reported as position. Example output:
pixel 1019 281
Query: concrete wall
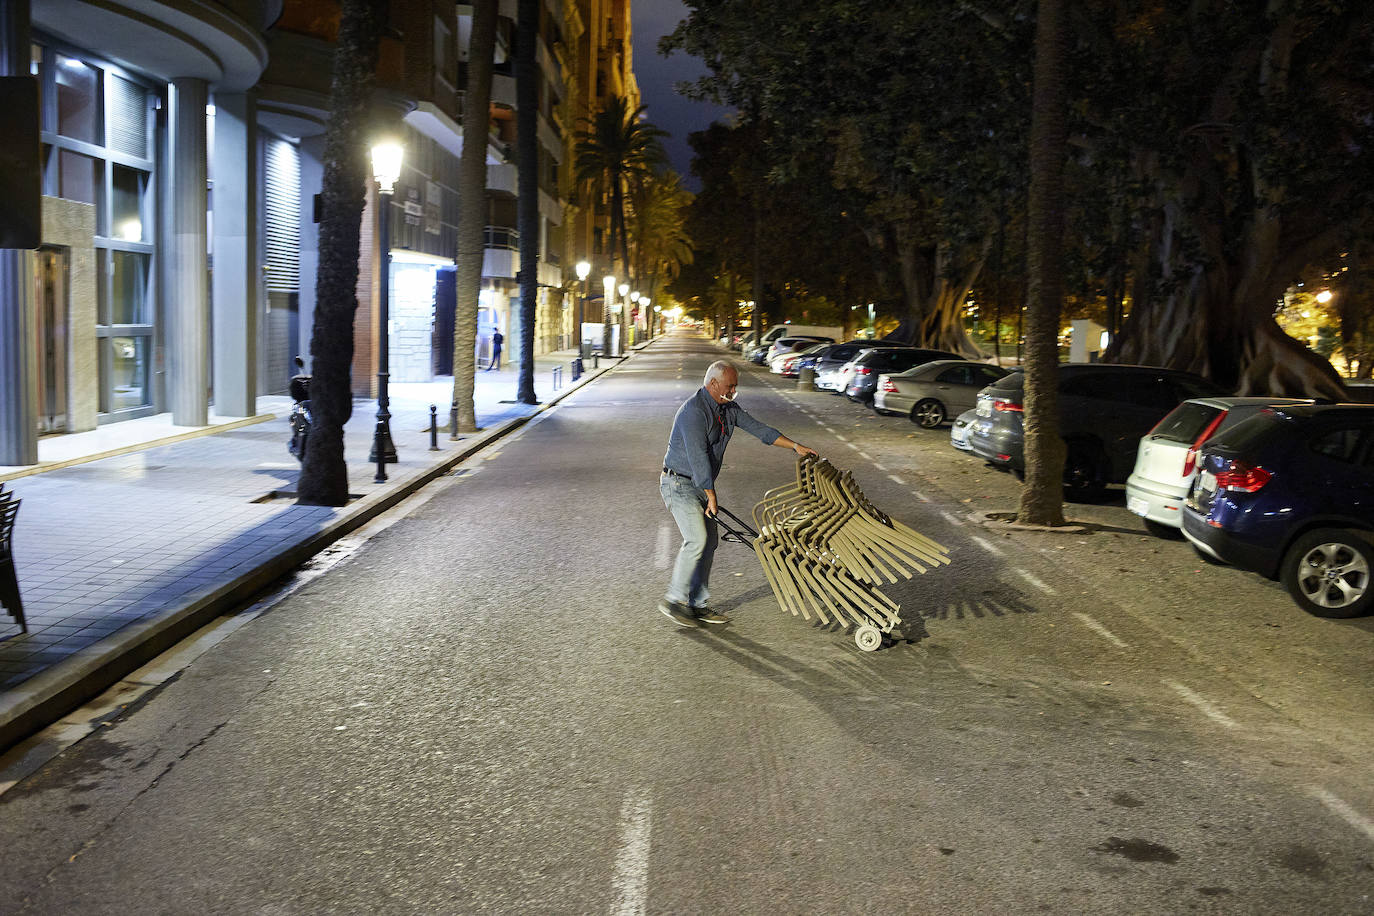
pixel 71 225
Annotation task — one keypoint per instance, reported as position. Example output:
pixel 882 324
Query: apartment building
pixel 182 151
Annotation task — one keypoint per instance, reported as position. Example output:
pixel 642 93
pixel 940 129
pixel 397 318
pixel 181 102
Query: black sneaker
pixel 678 613
pixel 706 615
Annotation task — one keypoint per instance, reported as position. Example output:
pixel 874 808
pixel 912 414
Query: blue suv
pixel 1289 494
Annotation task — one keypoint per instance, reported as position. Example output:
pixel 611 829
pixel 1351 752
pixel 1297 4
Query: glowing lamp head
pixel 386 164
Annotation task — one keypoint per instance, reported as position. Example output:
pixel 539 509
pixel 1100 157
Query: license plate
pixel 984 409
pixel 959 434
pixel 1137 505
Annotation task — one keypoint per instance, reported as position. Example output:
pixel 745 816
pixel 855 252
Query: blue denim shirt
pixel 701 430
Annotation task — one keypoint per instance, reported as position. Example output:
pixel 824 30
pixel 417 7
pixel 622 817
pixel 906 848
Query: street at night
pixel 477 709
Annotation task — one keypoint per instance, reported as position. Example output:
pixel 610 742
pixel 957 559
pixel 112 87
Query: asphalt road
pixel 479 710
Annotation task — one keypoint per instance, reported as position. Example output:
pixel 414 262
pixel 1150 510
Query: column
pixel 238 271
pixel 185 292
pixel 18 362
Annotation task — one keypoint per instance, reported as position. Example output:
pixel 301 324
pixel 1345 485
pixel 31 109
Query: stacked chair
pixel 825 549
pixel 9 579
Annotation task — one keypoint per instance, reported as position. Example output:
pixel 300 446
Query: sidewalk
pixel 134 535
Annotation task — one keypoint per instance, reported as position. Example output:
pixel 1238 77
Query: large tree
pixel 472 213
pixel 615 149
pixel 527 79
pixel 324 474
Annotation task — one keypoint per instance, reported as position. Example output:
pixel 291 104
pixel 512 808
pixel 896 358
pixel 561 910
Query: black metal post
pixel 433 428
pixel 383 449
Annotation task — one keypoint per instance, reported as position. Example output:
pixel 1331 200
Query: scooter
pixel 300 412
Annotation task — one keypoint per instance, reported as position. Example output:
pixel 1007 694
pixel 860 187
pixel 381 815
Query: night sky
pixel 652 19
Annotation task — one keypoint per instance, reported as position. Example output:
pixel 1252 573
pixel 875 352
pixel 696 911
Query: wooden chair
pixel 9 579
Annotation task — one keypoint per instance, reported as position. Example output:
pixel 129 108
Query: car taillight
pixel 1004 406
pixel 1190 460
pixel 862 370
pixel 1240 476
pixel 889 385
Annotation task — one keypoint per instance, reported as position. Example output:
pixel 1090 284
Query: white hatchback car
pixel 1166 459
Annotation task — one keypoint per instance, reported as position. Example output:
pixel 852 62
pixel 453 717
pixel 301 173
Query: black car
pixel 1289 494
pixel 868 365
pixel 1103 412
pixel 840 354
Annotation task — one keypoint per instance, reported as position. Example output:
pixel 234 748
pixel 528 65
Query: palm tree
pixel 324 475
pixel 615 151
pixel 527 80
pixel 657 229
pixel 472 213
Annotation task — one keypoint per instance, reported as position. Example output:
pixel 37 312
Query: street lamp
pixel 386 168
pixel 619 320
pixel 607 297
pixel 584 270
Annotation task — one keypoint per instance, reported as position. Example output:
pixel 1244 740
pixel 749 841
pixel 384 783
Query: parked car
pixel 829 368
pixel 786 345
pixel 933 392
pixel 788 364
pixel 958 430
pixel 783 350
pixel 1289 494
pixel 861 378
pixel 1103 411
pixel 1166 460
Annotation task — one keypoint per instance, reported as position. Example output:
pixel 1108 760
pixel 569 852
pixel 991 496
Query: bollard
pixel 433 428
pixel 596 360
pixel 576 368
pixel 806 379
pixel 453 422
pixel 557 377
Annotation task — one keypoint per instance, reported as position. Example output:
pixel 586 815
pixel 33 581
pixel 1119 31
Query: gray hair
pixel 716 370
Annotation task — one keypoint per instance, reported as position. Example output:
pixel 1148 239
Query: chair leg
pixel 9 592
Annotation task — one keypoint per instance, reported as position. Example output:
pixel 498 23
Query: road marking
pixel 1032 580
pixel 1100 630
pixel 881 468
pixel 897 480
pixel 865 456
pixel 852 445
pixel 950 518
pixel 921 496
pixel 1203 706
pixel 986 545
pixel 838 436
pixel 1344 811
pixel 663 550
pixel 631 879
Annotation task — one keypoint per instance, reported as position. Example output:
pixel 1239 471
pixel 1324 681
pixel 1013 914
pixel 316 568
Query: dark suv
pixel 870 364
pixel 1289 494
pixel 1103 412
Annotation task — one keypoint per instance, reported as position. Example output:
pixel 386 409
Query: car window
pixel 1248 432
pixel 1186 387
pixel 1137 389
pixel 1340 444
pixel 956 375
pixel 986 374
pixel 1185 422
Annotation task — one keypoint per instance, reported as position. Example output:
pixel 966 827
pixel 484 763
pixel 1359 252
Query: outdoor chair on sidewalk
pixel 9 579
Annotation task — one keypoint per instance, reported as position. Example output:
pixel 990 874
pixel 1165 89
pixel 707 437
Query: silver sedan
pixel 933 392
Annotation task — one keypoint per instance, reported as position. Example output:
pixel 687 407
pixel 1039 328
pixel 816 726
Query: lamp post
pixel 386 168
pixel 584 270
pixel 620 322
pixel 644 304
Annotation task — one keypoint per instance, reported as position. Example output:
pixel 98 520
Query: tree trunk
pixel 1042 498
pixel 527 173
pixel 324 474
pixel 932 304
pixel 472 214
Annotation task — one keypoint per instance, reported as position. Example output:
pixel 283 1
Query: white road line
pixel 921 496
pixel 1344 811
pixel 986 545
pixel 663 550
pixel 897 480
pixel 852 445
pixel 1206 708
pixel 631 881
pixel 1100 630
pixel 1032 580
pixel 865 456
pixel 951 519
pixel 838 436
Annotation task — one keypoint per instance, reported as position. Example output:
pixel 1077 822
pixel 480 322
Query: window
pixel 129 296
pixel 126 204
pixel 78 100
pixel 956 375
pixel 77 177
pixel 1338 444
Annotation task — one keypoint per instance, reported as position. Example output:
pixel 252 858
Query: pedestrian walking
pixel 701 431
pixel 497 338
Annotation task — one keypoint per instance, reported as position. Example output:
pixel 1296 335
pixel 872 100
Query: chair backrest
pixel 9 509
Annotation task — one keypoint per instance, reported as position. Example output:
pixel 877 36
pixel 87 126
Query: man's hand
pixel 710 503
pixel 803 450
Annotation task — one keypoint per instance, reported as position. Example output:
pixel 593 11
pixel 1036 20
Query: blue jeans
pixel 692 569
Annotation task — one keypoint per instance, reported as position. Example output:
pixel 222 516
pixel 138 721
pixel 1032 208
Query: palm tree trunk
pixel 472 214
pixel 527 175
pixel 324 474
pixel 1042 498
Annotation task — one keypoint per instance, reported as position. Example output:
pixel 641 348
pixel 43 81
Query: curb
pixel 48 696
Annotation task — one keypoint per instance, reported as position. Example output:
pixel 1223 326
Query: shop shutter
pixel 282 207
pixel 127 118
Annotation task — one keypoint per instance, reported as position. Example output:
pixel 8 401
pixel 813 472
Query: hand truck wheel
pixel 868 639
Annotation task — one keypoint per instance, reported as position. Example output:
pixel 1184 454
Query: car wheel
pixel 928 413
pixel 1085 472
pixel 1327 573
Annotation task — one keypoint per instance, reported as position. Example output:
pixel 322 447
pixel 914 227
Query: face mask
pixel 729 396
